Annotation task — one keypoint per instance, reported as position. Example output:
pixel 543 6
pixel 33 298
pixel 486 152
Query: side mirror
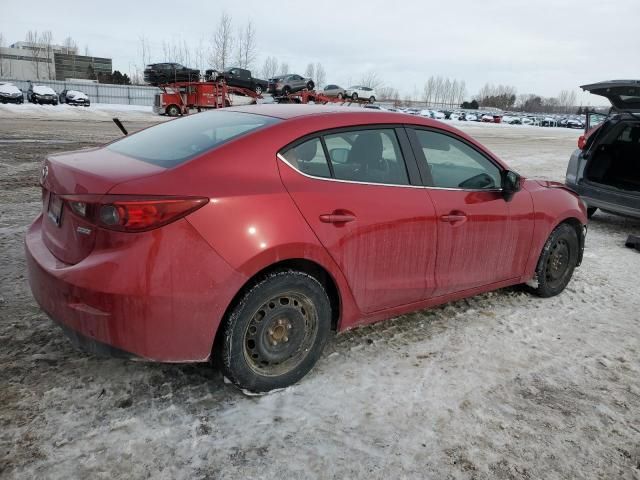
pixel 510 184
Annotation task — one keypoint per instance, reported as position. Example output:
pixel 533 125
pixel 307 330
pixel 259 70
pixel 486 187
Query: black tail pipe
pixel 120 126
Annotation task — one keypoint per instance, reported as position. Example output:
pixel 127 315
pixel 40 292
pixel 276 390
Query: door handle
pixel 454 217
pixel 337 218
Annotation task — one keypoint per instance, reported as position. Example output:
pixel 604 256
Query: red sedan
pixel 251 233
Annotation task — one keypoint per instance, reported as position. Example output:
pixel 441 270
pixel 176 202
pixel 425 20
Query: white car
pixel 426 113
pixel 471 117
pixel 359 91
pixel 438 115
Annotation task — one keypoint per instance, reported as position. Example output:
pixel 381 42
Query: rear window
pixel 172 143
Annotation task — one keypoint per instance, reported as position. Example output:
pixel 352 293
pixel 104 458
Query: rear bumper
pixel 607 199
pixel 159 295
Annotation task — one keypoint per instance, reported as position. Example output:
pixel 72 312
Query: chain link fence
pixel 97 92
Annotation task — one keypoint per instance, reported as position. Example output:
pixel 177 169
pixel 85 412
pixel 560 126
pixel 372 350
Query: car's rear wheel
pixel 591 211
pixel 372 99
pixel 340 96
pixel 557 261
pixel 286 91
pixel 310 85
pixel 276 332
pixel 354 96
pixel 258 89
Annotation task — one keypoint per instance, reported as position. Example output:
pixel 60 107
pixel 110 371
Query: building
pixel 37 61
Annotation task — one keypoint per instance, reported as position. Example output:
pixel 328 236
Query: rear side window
pixel 172 143
pixel 309 158
pixel 369 156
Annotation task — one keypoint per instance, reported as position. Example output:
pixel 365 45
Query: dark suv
pixel 605 170
pixel 159 73
pixel 239 77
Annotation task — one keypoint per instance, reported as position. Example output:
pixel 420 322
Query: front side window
pixel 172 143
pixel 454 164
pixel 371 156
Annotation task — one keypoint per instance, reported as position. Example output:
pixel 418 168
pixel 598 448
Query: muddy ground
pixel 499 386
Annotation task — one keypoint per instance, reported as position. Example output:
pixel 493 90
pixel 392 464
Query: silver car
pixel 289 83
pixel 605 170
pixel 333 91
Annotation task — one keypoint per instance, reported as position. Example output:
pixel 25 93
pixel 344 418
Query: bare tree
pixel 246 50
pixel 371 80
pixel 87 53
pixel 46 39
pixel 284 68
pixel 222 43
pixel 270 67
pixel 2 69
pixel 320 75
pixel 33 39
pixel 310 72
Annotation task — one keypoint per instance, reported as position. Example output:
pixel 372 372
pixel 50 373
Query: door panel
pixel 382 237
pixel 488 246
pixel 482 238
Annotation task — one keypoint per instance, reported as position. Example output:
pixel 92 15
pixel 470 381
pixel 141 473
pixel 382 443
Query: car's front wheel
pixel 258 89
pixel 557 261
pixel 276 332
pixel 354 96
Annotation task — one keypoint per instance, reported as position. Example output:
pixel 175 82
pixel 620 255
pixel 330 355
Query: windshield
pixel 172 143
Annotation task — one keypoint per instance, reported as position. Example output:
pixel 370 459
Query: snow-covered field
pixel 499 386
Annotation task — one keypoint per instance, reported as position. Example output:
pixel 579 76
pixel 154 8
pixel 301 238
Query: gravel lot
pixel 499 386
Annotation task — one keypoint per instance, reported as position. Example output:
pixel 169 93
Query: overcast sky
pixel 537 46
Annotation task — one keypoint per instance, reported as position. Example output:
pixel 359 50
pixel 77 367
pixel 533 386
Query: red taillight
pixel 128 213
pixel 581 142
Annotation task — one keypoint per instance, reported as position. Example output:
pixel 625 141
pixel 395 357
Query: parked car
pixel 333 91
pixel 42 94
pixel 129 255
pixel 605 169
pixel 74 97
pixel 359 91
pixel 159 73
pixel 240 77
pixel 574 123
pixel 290 83
pixel 9 93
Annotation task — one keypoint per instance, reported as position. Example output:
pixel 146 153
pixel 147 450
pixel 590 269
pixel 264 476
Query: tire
pixel 340 96
pixel 258 89
pixel 276 332
pixel 557 261
pixel 354 96
pixel 591 211
pixel 286 91
pixel 310 85
pixel 372 99
pixel 173 110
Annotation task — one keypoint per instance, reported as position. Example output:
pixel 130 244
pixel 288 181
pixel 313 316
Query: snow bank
pixel 96 112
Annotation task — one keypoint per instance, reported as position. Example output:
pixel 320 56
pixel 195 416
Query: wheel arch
pixel 310 267
pixel 580 229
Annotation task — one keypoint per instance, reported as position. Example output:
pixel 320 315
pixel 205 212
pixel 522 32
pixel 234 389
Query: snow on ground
pixel 499 386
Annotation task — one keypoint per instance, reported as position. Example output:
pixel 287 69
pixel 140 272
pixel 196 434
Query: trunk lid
pixel 68 236
pixel 624 95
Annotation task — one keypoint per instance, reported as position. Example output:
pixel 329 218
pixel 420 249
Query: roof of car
pixel 285 112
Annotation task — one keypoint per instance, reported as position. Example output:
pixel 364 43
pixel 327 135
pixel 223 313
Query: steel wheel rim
pixel 280 334
pixel 558 262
